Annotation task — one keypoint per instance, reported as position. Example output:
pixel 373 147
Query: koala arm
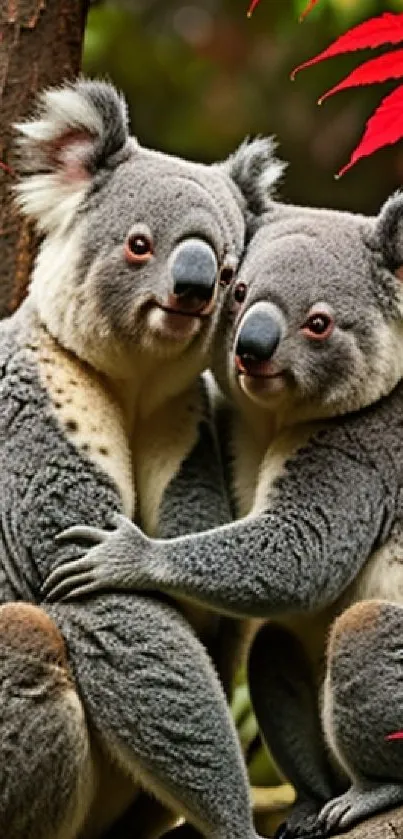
pixel 326 515
pixel 196 498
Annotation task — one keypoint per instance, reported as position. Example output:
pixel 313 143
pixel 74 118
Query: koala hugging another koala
pixel 103 410
pixel 308 354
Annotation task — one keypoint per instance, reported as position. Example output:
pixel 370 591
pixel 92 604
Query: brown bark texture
pixel 40 45
pixel 271 805
pixel 385 826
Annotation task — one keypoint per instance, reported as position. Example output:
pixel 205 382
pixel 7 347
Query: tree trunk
pixel 40 45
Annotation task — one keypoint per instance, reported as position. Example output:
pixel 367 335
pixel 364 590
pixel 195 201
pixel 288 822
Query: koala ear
pixel 77 129
pixel 389 230
pixel 256 171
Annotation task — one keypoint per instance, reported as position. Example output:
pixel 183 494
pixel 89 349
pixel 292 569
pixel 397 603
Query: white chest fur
pixel 259 459
pixel 88 414
pixel 161 442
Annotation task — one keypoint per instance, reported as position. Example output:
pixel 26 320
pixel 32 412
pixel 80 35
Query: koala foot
pixel 302 823
pixel 358 804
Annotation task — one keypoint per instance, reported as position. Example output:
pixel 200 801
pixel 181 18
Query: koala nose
pixel 259 336
pixel 194 272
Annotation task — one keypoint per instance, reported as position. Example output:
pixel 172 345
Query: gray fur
pixel 148 687
pixel 256 171
pixel 321 526
pixel 99 354
pixel 90 186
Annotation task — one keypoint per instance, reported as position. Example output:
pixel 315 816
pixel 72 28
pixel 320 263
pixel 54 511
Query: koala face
pixel 137 244
pixel 313 324
pixel 156 258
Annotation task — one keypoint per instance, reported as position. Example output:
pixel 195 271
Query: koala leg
pixel 284 699
pixel 46 773
pixel 363 710
pixel 153 697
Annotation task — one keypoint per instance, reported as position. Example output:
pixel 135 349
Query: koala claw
pixel 307 828
pixel 72 579
pixel 107 565
pixel 81 531
pixel 94 535
pixel 358 804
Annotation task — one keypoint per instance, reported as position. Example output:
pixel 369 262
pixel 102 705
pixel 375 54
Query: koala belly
pixel 380 579
pixel 382 576
pixel 161 444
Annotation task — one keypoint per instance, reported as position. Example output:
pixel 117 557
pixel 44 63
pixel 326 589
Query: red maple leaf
pixel 308 8
pixel 385 29
pixel 389 66
pixel 397 735
pixel 383 128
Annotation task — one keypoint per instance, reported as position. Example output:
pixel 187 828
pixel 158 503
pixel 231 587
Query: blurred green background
pixel 199 76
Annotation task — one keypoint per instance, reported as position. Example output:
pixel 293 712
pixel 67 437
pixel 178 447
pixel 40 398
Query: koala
pixel 102 410
pixel 308 354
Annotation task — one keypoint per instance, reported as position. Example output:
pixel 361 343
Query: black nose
pixel 258 337
pixel 194 270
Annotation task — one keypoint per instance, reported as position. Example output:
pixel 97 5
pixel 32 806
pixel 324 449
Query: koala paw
pixel 302 823
pixel 107 565
pixel 358 804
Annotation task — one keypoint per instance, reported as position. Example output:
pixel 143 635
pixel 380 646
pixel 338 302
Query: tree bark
pixel 40 45
pixel 387 825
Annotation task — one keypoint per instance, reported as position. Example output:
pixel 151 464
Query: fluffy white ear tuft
pixel 77 129
pixel 256 171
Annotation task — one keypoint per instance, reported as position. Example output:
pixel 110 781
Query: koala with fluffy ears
pixel 102 409
pixel 309 355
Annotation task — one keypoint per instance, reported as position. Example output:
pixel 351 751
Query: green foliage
pixel 261 768
pixel 199 76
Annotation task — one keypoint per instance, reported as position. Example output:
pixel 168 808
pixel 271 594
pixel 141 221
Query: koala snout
pixel 258 337
pixel 194 271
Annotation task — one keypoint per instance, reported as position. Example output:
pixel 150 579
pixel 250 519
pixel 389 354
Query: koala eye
pixel 226 275
pixel 318 326
pixel 138 248
pixel 240 292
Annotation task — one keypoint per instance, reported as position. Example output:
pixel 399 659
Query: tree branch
pixel 40 45
pixel 387 825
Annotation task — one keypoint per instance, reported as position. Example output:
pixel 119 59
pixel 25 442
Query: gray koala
pixel 102 409
pixel 309 354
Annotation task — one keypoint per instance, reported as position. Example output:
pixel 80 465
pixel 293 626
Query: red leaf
pixel 385 29
pixel 389 66
pixel 383 128
pixel 398 735
pixel 252 7
pixel 308 8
